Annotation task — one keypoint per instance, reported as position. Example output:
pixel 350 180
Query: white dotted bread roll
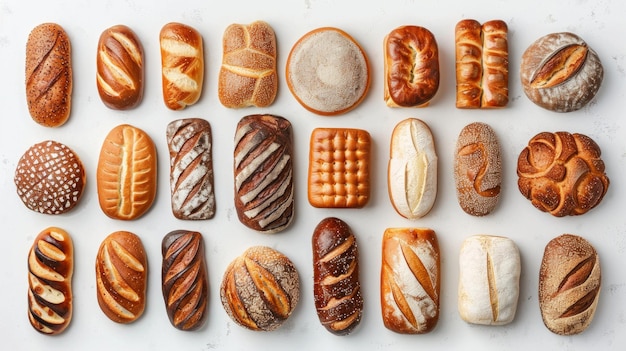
pixel 489 274
pixel 182 65
pixel 410 280
pixel 248 75
pixel 412 169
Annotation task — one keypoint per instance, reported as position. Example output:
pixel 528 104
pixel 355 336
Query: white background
pixel 597 22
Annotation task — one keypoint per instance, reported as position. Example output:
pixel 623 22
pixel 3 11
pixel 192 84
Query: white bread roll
pixel 412 169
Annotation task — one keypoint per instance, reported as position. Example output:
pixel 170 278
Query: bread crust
pixel 49 75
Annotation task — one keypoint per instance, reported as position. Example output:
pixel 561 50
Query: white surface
pixel 600 23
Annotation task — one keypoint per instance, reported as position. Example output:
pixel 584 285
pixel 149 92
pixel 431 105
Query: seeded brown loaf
pixel 410 280
pixel 49 75
pixel 260 289
pixel 122 277
pixel 184 279
pixel 50 270
pixel 182 65
pixel 562 173
pixel 560 72
pixel 569 284
pixel 248 75
pixel 336 284
pixel 263 169
pixel 50 178
pixel 120 68
pixel 127 173
pixel 477 169
pixel 190 147
pixel 411 67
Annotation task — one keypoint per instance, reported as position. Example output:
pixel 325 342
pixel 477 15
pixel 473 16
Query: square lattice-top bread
pixel 339 174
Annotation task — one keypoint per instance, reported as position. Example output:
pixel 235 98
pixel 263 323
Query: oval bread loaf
pixel 410 280
pixel 477 169
pixel 122 277
pixel 184 279
pixel 336 284
pixel 50 270
pixel 49 75
pixel 412 169
pixel 127 173
pixel 260 289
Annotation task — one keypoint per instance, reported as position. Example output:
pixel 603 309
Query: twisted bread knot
pixel 562 173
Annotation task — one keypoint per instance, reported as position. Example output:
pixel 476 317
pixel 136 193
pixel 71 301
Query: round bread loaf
pixel 260 289
pixel 50 178
pixel 328 72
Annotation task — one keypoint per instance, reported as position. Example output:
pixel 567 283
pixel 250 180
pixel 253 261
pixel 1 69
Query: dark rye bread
pixel 184 278
pixel 263 169
pixel 336 285
pixel 50 270
pixel 190 147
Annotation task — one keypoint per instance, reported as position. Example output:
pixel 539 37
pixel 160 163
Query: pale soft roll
pixel 489 273
pixel 412 169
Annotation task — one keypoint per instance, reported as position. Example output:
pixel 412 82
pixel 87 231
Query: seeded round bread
pixel 50 178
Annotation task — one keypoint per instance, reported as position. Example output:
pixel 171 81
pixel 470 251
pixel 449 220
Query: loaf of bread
pixel 263 170
pixel 560 72
pixel 477 169
pixel 122 277
pixel 412 169
pixel 50 178
pixel 260 289
pixel 127 173
pixel 336 284
pixel 569 284
pixel 182 65
pixel 184 279
pixel 562 173
pixel 410 280
pixel 339 168
pixel 411 63
pixel 49 75
pixel 328 72
pixel 50 270
pixel 248 74
pixel 190 147
pixel 489 275
pixel 120 68
pixel 482 64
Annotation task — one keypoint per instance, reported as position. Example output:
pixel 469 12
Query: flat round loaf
pixel 260 289
pixel 49 75
pixel 328 72
pixel 560 72
pixel 562 173
pixel 127 173
pixel 50 178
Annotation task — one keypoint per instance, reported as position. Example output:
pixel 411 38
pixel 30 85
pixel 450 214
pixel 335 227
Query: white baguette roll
pixel 412 169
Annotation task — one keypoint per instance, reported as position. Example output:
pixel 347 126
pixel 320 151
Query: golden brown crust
pixel 182 65
pixel 127 173
pixel 411 67
pixel 478 169
pixel 122 277
pixel 49 75
pixel 562 173
pixel 248 75
pixel 338 173
pixel 120 68
pixel 569 284
pixel 260 289
pixel 410 280
pixel 50 270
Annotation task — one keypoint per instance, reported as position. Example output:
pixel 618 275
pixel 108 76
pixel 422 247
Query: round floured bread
pixel 328 72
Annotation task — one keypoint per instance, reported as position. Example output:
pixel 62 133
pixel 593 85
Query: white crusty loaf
pixel 489 273
pixel 412 169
